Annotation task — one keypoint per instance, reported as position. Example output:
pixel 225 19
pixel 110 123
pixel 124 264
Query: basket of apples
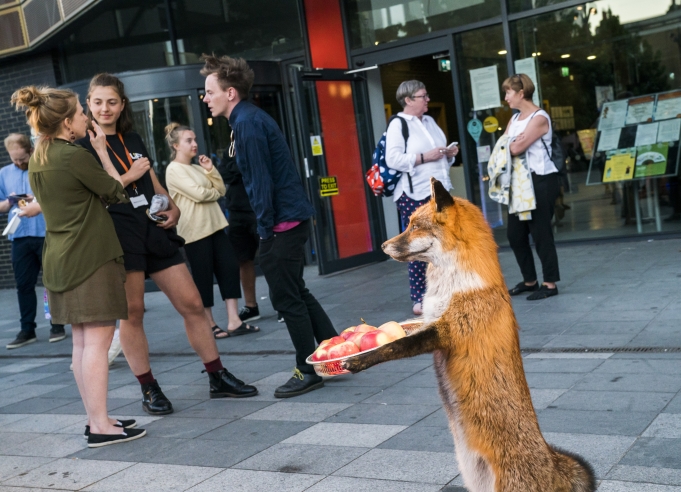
pixel 329 355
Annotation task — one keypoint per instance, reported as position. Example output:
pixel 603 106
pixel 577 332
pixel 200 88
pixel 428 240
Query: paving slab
pixel 142 477
pixel 379 413
pixel 298 411
pixel 349 484
pixel 667 425
pixel 337 434
pixel 12 466
pixel 654 452
pixel 257 481
pixel 68 474
pixel 665 476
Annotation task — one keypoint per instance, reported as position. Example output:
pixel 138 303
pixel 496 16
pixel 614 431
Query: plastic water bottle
pixel 46 305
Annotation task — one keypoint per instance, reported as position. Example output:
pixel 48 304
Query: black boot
pixel 223 384
pixel 154 402
pixel 299 384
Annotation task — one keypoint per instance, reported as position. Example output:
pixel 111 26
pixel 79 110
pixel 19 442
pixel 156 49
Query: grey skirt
pixel 101 297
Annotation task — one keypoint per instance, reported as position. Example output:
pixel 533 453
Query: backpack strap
pixel 405 135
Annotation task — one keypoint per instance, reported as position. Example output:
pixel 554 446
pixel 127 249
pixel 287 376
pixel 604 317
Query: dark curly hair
pixel 231 72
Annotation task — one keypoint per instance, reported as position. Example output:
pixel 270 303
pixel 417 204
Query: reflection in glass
pixel 588 55
pixel 254 29
pixel 373 22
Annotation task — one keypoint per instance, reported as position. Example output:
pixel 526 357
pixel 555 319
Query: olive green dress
pixel 82 258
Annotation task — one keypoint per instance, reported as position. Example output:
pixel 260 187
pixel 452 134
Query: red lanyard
pixel 127 154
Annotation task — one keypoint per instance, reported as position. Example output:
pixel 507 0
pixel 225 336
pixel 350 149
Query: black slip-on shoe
pixel 223 384
pixel 543 293
pixel 125 424
pixel 23 338
pixel 154 402
pixel 299 384
pixel 248 313
pixel 521 287
pixel 99 440
pixel 57 333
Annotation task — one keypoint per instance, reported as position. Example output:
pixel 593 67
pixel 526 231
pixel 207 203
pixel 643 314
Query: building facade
pixel 608 72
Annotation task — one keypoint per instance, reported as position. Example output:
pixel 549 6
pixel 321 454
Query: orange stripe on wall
pixel 339 129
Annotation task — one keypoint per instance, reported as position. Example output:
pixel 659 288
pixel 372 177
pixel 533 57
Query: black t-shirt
pixel 131 223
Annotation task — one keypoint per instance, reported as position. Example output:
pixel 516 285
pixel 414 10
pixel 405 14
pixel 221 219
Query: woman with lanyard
pixel 151 249
pixel 530 126
pixel 425 154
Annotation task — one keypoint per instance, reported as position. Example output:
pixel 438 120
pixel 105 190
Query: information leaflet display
pixel 637 138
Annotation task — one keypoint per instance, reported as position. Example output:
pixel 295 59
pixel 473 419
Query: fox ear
pixel 441 196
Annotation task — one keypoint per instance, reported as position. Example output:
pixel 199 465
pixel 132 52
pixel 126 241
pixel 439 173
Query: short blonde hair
pixel 14 140
pixel 520 82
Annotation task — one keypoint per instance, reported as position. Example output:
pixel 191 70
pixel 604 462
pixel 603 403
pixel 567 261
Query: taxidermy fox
pixel 469 325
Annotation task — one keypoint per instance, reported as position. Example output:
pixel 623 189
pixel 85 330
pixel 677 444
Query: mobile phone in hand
pixel 452 145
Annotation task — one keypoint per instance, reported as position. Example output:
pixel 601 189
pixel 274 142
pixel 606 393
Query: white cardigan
pixel 424 135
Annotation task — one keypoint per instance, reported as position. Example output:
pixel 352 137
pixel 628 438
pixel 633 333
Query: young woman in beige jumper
pixel 195 189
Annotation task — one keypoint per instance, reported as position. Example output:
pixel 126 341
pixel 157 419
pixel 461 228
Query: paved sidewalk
pixel 603 360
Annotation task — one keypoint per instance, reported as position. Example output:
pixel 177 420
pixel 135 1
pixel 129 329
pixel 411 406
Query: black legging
pixel 214 255
pixel 546 190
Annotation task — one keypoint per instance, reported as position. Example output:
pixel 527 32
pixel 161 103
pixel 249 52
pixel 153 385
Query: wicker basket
pixel 332 367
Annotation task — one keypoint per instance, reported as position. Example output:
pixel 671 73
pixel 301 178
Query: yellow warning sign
pixel 328 185
pixel 316 142
pixel 491 124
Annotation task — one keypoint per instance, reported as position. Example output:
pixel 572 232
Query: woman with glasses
pixel 530 126
pixel 422 155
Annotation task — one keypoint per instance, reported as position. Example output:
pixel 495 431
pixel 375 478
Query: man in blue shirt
pixel 16 197
pixel 282 209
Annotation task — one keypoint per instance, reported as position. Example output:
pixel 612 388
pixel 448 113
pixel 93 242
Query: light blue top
pixel 14 180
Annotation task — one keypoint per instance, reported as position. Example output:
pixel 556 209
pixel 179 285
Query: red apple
pixel 356 338
pixel 343 349
pixel 393 329
pixel 347 332
pixel 374 339
pixel 320 354
pixel 363 328
pixel 331 341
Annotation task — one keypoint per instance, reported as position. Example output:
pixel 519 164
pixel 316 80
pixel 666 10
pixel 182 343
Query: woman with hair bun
pixel 82 258
pixel 151 249
pixel 196 189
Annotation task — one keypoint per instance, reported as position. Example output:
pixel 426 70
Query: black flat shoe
pixel 521 287
pixel 154 402
pixel 223 384
pixel 543 293
pixel 99 440
pixel 299 384
pixel 125 424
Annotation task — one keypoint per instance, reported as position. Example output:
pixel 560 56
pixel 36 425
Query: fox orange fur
pixel 469 325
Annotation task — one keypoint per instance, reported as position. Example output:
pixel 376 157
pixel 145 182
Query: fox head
pixel 451 234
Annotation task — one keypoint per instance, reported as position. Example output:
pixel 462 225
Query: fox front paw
pixel 354 365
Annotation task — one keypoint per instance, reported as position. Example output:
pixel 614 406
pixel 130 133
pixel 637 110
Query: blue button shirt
pixel 272 182
pixel 14 180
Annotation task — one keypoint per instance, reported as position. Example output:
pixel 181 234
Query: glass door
pixel 338 143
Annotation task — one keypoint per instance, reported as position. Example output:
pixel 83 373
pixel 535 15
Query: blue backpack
pixel 381 178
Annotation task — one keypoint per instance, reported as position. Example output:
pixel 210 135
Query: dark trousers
pixel 27 259
pixel 214 255
pixel 282 259
pixel 546 190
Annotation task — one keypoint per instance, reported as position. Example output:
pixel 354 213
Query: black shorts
pixel 150 263
pixel 243 234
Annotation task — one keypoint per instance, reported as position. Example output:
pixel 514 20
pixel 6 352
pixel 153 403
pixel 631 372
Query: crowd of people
pixel 96 219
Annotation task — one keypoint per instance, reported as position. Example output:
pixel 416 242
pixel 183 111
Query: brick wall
pixel 36 70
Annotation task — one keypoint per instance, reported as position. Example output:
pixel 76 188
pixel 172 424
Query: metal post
pixel 637 206
pixel 171 32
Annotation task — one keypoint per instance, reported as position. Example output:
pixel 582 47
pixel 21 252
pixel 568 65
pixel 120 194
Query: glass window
pixel 251 29
pixel 475 50
pixel 373 22
pixel 118 40
pixel 585 56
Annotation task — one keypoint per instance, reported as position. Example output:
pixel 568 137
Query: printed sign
pixel 328 186
pixel 485 87
pixel 316 142
pixel 619 165
pixel 491 124
pixel 651 160
pixel 475 129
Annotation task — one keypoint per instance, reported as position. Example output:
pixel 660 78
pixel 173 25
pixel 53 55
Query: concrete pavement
pixel 603 361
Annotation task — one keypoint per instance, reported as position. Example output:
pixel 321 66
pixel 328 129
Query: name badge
pixel 138 201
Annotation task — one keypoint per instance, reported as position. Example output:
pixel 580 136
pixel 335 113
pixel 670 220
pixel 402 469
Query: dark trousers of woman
pixel 282 260
pixel 546 190
pixel 214 255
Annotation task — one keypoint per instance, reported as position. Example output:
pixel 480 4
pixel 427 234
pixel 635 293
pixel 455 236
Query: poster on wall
pixel 609 139
pixel 528 66
pixel 651 160
pixel 619 165
pixel 486 88
pixel 669 130
pixel 646 134
pixel 640 110
pixel 604 94
pixel 586 140
pixel 613 115
pixel 668 106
